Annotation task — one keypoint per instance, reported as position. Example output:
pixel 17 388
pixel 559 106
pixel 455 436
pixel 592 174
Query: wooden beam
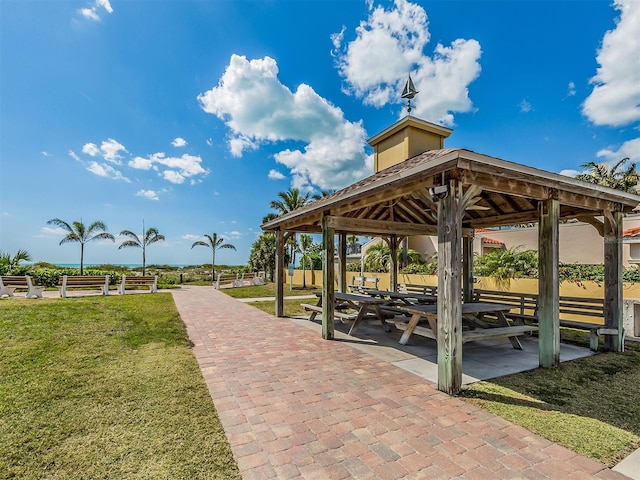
pixel 279 273
pixel 467 269
pixel 549 284
pixel 449 293
pixel 613 295
pixel 594 222
pixel 379 227
pixel 342 262
pixel 393 263
pixel 328 273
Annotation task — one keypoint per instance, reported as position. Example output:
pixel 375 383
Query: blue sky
pixel 193 115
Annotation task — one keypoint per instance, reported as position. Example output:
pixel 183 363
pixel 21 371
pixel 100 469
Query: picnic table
pixel 472 314
pixel 398 298
pixel 366 307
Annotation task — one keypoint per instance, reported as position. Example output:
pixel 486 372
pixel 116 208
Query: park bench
pixel 415 288
pixel 9 284
pixel 228 279
pixel 363 283
pixel 85 281
pixel 150 281
pixel 575 312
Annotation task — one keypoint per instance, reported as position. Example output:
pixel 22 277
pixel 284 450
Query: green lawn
pixel 104 387
pixel 267 290
pixel 590 405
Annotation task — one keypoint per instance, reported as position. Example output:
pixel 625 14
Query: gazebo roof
pixel 400 200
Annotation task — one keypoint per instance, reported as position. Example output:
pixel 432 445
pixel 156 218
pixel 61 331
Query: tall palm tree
pixel 620 176
pixel 78 232
pixel 214 243
pixel 150 236
pixel 306 242
pixel 288 202
pixel 352 244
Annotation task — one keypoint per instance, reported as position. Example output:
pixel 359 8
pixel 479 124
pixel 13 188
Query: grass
pixel 267 290
pixel 590 405
pixel 104 387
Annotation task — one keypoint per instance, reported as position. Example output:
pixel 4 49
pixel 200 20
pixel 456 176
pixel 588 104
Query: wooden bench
pixel 317 309
pixel 228 279
pixel 85 281
pixel 249 279
pixel 139 281
pixel 9 284
pixel 416 288
pixel 472 335
pixel 580 313
pixel 362 283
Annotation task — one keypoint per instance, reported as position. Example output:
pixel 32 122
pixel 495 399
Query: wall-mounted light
pixel 439 192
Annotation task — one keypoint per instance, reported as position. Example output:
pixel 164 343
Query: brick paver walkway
pixel 296 406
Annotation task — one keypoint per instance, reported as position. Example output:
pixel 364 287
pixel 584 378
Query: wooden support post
pixel 279 274
pixel 613 295
pixel 393 263
pixel 467 269
pixel 549 284
pixel 328 277
pixel 342 262
pixel 449 294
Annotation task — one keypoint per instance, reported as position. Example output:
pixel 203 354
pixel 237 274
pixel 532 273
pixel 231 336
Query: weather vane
pixel 409 92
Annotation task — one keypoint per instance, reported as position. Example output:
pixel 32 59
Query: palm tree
pixel 150 236
pixel 619 176
pixel 352 244
pixel 8 263
pixel 214 243
pixel 306 241
pixel 288 202
pixel 78 232
pixel 322 194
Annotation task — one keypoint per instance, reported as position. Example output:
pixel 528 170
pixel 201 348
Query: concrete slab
pixel 630 466
pixel 482 360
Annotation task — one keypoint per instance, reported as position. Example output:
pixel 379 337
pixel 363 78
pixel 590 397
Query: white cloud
pixel 629 149
pixel 109 150
pixel 258 109
pixel 191 237
pixel 107 171
pixel 389 45
pixel 179 142
pixel 104 4
pixel 571 91
pixel 150 194
pixel 90 149
pixel 179 168
pixel 53 231
pixel 570 173
pixel 234 235
pixel 275 175
pixel 525 106
pixel 93 12
pixel 615 99
pixel 45 153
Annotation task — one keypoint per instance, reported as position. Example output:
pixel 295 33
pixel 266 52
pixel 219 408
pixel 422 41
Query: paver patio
pixel 296 406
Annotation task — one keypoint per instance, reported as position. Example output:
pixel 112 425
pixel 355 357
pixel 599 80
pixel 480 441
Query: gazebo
pixel 449 193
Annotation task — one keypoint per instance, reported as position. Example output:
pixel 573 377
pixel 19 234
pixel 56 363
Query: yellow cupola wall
pixel 406 138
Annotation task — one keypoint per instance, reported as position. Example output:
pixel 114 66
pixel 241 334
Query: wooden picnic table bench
pixel 472 313
pixel 150 281
pixel 393 300
pixel 9 284
pixel 363 284
pixel 365 307
pixel 100 282
pixel 580 313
